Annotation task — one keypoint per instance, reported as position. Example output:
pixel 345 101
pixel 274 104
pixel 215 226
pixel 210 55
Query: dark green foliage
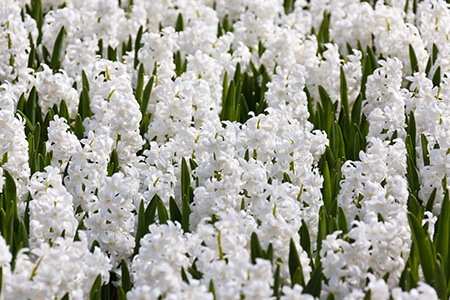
pixel 244 94
pixel 55 62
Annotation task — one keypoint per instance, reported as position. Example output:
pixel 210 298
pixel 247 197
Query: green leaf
pixel 286 177
pixel 415 207
pixel 95 293
pixel 179 26
pixel 212 289
pixel 237 73
pixel 32 55
pixel 336 179
pixel 184 276
pixel 79 128
pixel 162 212
pixel 44 128
pixel 295 267
pixel 328 115
pixel 344 94
pixel 121 295
pixel 9 222
pixel 225 87
pixel 143 127
pixel 434 53
pixel 150 211
pixel 342 220
pixel 26 214
pixel 112 53
pixel 373 59
pixel 430 202
pixel 186 210
pixel 407 280
pixel 31 152
pixel 442 235
pixel 30 107
pixel 3 223
pixel 323 36
pixel 9 189
pixel 180 64
pixel 94 245
pixel 322 232
pixel 412 173
pixel 326 189
pixel 440 281
pixel 80 227
pixel 314 285
pixel 412 132
pixel 48 158
pixel 45 55
pixel 220 30
pixel 269 253
pixel 228 106
pixel 413 60
pixel 219 245
pixel 63 110
pixel 185 194
pixel 140 229
pixel 185 179
pixel 145 218
pixel 367 70
pixel 428 66
pixel 192 164
pixel 437 77
pixel 36 12
pixel 84 109
pixel 35 268
pixel 140 84
pixel 85 81
pixel 175 213
pixel 298 277
pixel 262 105
pixel 305 239
pixel 288 6
pixel 226 24
pixel 356 110
pixel 242 109
pixel 21 104
pixel 146 95
pixel 425 154
pixel 113 164
pixel 277 282
pixel 126 280
pixel 42 163
pixel 107 290
pixel 256 250
pixel 424 245
pixel 194 272
pixel 339 141
pixel 128 46
pixel 55 62
pixel 137 46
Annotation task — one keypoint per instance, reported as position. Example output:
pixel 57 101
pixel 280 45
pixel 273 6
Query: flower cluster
pixel 65 268
pixel 224 149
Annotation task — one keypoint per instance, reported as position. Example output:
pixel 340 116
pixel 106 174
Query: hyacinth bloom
pixel 237 149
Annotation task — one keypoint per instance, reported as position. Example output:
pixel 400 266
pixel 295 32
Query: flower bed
pixel 224 149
